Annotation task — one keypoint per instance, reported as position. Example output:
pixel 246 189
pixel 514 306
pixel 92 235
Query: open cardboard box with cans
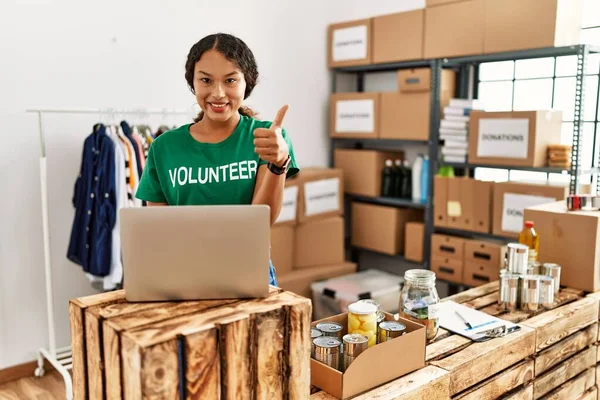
pixel 375 366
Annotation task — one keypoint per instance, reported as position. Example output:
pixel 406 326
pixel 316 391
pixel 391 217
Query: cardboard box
pixel 482 206
pixel 467 203
pixel 570 239
pixel 321 193
pixel 529 24
pixel 375 366
pixel 513 138
pixel 406 114
pixel 299 281
pixel 380 228
pixel 282 248
pixel 484 253
pixel 447 269
pixel 362 169
pixel 454 30
pixel 476 274
pixel 512 198
pixel 354 115
pixel 319 242
pixel 454 209
pixel 289 208
pixel 447 246
pixel 349 43
pixel 433 3
pixel 398 37
pixel 440 201
pixel 414 236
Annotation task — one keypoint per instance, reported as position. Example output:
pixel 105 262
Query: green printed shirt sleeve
pixel 149 188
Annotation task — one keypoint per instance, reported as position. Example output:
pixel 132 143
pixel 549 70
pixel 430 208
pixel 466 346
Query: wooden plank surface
pixel 483 301
pixel 445 347
pixel 591 394
pixel 270 361
pixel 525 393
pixel 429 383
pixel 160 371
pixel 202 365
pixel 474 293
pixel 564 349
pixel 132 365
pixel 560 374
pixel 298 350
pixel 554 325
pixel 95 366
pixel 575 387
pixel 236 379
pixel 101 298
pixel 112 362
pixel 480 361
pixel 503 382
pixel 79 371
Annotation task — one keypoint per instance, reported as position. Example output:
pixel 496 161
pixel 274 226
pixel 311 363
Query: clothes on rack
pixel 112 162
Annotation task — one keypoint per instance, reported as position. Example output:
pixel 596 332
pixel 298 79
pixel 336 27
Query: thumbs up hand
pixel 269 143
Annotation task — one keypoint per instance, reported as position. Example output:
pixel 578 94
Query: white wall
pixel 129 55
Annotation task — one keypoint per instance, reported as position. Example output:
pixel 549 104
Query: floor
pixel 50 387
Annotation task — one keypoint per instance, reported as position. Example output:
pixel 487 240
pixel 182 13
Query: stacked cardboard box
pixel 470 262
pixel 455 28
pixel 307 241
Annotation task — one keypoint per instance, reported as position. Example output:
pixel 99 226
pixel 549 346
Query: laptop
pixel 175 253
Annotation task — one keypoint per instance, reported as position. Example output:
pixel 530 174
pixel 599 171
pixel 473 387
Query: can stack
pixel 527 285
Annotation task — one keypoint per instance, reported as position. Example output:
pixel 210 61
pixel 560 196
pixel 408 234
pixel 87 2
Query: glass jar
pixel 380 315
pixel 362 319
pixel 418 299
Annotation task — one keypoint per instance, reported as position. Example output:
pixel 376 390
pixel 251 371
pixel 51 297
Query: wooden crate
pixel 193 349
pixel 554 355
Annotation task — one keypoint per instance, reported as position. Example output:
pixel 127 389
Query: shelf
pixel 385 67
pixel 478 58
pixel 398 257
pixel 384 142
pixel 387 201
pixel 549 170
pixel 471 234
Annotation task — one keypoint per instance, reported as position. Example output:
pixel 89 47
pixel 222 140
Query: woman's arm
pixel 269 190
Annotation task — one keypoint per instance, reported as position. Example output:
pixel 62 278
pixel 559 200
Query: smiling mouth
pixel 218 105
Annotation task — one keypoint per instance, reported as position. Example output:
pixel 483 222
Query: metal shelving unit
pixel 467 72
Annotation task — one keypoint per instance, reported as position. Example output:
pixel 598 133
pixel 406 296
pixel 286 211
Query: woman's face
pixel 219 86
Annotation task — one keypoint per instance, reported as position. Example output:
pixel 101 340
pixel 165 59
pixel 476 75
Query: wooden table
pixel 235 349
pixel 554 356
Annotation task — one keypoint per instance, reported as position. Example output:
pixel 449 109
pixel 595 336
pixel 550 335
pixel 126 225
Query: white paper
pixel 322 196
pixel 480 321
pixel 514 206
pixel 290 204
pixel 350 43
pixel 504 138
pixel 355 116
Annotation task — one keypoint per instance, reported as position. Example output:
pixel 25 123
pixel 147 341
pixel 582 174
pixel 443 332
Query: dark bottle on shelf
pixel 406 188
pixel 387 179
pixel 398 179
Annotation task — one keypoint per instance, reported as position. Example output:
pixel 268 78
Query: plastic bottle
pixel 416 178
pixel 529 237
pixel 406 190
pixel 398 178
pixel 387 179
pixel 425 179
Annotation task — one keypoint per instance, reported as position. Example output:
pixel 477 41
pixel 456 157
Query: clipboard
pixel 472 324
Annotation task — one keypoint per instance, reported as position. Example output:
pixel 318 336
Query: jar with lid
pixel 380 315
pixel 362 319
pixel 418 300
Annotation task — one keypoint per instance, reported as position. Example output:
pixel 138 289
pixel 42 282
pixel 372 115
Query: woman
pixel 226 156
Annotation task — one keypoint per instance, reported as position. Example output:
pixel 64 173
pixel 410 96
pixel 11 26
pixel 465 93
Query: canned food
pixel 331 329
pixel 546 291
pixel 314 333
pixel 327 351
pixel 354 344
pixel 553 271
pixel 518 257
pixel 389 330
pixel 530 293
pixel 509 292
pixel 534 268
pixel 380 315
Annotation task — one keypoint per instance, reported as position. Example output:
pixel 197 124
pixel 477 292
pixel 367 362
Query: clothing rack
pixel 62 358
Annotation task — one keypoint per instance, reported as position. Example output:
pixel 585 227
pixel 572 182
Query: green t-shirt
pixel 182 171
